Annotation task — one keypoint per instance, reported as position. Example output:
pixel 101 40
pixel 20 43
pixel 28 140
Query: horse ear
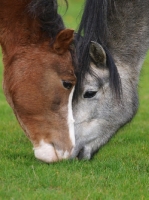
pixel 97 53
pixel 63 41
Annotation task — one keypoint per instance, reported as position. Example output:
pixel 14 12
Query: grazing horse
pixel 39 76
pixel 111 53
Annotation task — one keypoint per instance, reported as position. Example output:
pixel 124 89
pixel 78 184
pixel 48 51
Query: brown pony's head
pixel 39 77
pixel 39 82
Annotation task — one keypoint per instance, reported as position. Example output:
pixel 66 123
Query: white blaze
pixel 70 118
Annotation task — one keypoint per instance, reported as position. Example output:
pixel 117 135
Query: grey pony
pixel 99 115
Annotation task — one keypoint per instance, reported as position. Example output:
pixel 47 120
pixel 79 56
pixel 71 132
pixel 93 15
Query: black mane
pixel 51 22
pixel 93 27
pixel 47 13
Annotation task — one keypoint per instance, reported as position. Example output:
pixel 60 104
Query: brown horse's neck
pixel 17 26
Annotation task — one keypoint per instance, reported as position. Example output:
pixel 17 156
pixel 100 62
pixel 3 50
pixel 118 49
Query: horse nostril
pixel 61 154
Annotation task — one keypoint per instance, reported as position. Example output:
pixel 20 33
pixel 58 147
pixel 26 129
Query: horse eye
pixel 68 85
pixel 90 94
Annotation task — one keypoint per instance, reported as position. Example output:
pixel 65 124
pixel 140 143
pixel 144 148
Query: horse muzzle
pixel 49 153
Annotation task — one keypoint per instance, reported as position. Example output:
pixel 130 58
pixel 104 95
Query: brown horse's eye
pixel 68 85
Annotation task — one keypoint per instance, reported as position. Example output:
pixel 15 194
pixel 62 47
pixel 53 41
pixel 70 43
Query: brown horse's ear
pixel 63 41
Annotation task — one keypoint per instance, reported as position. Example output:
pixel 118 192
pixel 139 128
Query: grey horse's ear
pixel 97 53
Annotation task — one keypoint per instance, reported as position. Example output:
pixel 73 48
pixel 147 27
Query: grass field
pixel 119 171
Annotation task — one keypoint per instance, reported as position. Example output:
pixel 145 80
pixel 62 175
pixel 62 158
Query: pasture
pixel 119 171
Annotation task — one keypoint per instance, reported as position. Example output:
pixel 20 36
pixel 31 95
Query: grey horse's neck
pixel 128 33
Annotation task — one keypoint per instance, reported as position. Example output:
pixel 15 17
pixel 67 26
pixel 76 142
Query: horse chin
pixel 48 153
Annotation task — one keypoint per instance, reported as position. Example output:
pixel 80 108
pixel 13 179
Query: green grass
pixel 73 14
pixel 119 171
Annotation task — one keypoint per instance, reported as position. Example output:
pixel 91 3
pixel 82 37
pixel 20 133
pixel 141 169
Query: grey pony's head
pixel 98 115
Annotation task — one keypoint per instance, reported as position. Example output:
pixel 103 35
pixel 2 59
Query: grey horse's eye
pixel 68 85
pixel 89 94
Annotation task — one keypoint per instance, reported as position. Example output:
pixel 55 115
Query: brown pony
pixel 39 75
